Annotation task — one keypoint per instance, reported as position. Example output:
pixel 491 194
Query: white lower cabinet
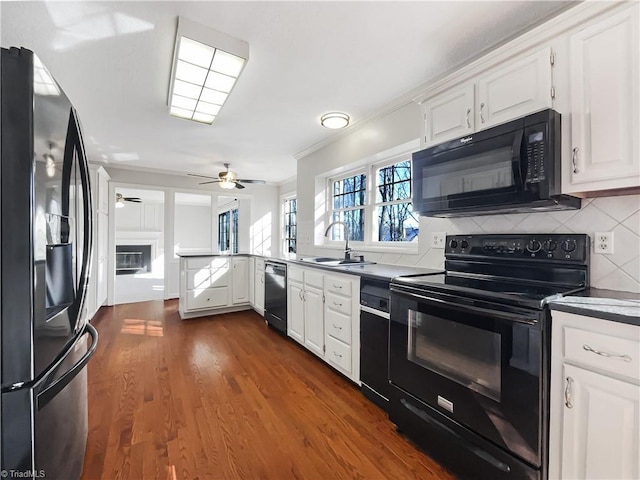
pixel 259 286
pixel 212 284
pixel 323 315
pixel 595 399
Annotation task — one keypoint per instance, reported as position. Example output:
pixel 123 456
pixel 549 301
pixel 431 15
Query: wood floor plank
pixel 225 397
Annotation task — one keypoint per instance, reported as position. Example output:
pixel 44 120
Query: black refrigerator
pixel 46 340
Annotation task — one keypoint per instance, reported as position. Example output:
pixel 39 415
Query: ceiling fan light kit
pixel 334 120
pixel 227 179
pixel 206 66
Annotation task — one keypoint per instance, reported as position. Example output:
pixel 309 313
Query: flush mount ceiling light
pixel 206 66
pixel 334 120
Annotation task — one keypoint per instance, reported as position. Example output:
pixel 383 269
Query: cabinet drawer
pixel 313 278
pixel 296 274
pixel 338 303
pixel 338 325
pixel 207 298
pixel 338 354
pixel 338 285
pixel 197 263
pixel 260 264
pixel 199 279
pixel 617 355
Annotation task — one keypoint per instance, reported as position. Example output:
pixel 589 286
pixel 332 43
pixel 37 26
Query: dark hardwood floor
pixel 225 397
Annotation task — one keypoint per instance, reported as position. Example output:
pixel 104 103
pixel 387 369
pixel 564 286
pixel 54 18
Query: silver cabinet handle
pixel 337 355
pixel 482 112
pixel 300 295
pixel 574 160
pixel 339 287
pixel 337 304
pixel 468 121
pixel 618 356
pixel 337 326
pixel 568 391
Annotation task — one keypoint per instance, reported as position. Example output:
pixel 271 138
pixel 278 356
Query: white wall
pixel 192 227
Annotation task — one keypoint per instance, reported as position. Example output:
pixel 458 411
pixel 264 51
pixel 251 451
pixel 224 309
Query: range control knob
pixel 464 244
pixel 453 243
pixel 533 246
pixel 550 245
pixel 568 245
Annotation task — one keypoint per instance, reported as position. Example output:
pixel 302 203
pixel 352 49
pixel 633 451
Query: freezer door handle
pixel 46 395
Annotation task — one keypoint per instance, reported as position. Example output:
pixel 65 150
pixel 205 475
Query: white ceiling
pixel 114 60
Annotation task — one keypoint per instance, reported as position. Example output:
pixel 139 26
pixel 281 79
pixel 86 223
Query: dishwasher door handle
pixel 373 311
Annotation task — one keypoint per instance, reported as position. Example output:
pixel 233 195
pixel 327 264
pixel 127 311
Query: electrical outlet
pixel 438 239
pixel 603 242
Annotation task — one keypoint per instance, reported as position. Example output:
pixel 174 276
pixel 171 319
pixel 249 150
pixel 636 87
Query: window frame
pixel 371 227
pixel 364 207
pixel 232 231
pixel 283 224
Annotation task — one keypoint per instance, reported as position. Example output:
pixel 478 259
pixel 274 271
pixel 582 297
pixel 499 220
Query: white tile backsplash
pixel 621 215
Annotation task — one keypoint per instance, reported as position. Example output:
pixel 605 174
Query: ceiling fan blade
pixel 239 186
pixel 206 183
pixel 257 182
pixel 196 175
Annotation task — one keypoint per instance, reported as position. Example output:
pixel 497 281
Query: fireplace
pixel 131 259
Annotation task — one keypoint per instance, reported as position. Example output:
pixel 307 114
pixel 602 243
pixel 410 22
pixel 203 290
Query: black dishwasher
pixel 374 340
pixel 275 295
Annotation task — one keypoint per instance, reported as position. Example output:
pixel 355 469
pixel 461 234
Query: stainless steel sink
pixel 335 262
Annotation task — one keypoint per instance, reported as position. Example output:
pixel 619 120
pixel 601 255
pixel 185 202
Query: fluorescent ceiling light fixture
pixel 206 66
pixel 334 120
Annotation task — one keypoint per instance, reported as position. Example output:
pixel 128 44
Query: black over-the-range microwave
pixel 510 168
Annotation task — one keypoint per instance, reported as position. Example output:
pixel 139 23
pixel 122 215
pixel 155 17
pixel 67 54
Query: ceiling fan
pixel 227 179
pixel 120 199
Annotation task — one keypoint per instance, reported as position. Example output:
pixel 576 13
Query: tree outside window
pixel 290 225
pixel 348 202
pixel 396 220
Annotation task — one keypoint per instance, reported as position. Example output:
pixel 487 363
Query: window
pixel 396 221
pixel 375 204
pixel 348 205
pixel 228 231
pixel 289 234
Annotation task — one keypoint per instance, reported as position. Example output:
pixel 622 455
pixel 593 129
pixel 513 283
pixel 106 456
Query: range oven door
pixel 480 364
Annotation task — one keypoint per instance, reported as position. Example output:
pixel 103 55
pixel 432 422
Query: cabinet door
pixel 601 429
pixel 313 320
pixel 514 90
pixel 102 248
pixel 604 104
pixel 102 205
pixel 295 311
pixel 252 281
pixel 259 293
pixel 240 280
pixel 449 115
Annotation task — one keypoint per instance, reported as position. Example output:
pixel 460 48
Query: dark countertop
pixel 623 307
pixel 376 271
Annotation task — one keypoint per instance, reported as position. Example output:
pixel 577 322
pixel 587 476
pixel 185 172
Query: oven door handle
pixel 524 317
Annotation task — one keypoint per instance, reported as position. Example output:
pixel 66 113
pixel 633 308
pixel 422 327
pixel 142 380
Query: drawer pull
pixel 337 304
pixel 339 287
pixel 337 354
pixel 625 358
pixel 568 392
pixel 337 326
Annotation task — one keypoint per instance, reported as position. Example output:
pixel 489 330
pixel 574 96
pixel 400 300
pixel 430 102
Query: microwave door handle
pixel 520 157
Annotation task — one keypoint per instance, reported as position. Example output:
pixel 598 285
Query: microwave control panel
pixel 535 156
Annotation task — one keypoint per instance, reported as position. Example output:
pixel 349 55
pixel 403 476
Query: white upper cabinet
pixel 449 115
pixel 604 84
pixel 510 90
pixel 514 90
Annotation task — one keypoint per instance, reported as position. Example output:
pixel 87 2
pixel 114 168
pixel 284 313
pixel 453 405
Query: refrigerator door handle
pixel 46 395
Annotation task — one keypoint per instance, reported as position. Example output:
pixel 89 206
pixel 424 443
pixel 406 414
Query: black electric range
pixel 469 350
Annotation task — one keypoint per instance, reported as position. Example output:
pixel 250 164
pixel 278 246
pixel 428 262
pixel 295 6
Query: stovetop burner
pixel 524 270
